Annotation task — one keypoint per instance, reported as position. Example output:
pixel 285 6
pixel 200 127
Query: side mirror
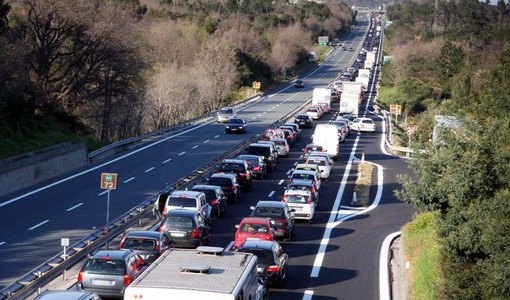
pixel 252 207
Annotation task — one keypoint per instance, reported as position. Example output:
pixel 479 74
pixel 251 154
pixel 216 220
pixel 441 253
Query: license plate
pixel 101 282
pixel 298 208
pixel 260 270
pixel 233 129
pixel 178 234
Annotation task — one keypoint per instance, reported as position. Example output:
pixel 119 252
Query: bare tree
pixel 288 43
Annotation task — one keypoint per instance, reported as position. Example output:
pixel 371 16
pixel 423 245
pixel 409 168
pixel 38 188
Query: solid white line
pixel 182 153
pixel 216 136
pixel 206 141
pixel 149 169
pixel 308 295
pixel 384 272
pixel 128 180
pixel 76 206
pixel 40 224
pixel 270 194
pixel 102 193
pixel 100 166
pixel 1 243
pixel 167 160
pixel 281 181
pixel 195 147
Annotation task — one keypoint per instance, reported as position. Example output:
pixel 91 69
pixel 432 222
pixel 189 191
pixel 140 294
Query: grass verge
pixel 421 248
pixel 363 183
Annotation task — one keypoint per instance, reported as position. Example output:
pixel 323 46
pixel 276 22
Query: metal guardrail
pixel 29 283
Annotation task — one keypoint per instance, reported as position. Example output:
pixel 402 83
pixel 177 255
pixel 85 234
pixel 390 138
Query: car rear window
pixel 259 150
pixel 105 266
pixel 232 167
pixel 296 199
pixel 268 212
pixel 220 181
pixel 182 202
pixel 280 143
pixel 264 257
pixel 139 244
pixel 178 223
pixel 209 194
pixel 303 176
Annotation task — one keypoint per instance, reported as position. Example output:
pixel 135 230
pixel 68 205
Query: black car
pixel 280 216
pixel 236 125
pixel 272 261
pixel 256 164
pixel 214 196
pixel 303 120
pixel 186 227
pixel 266 152
pixel 240 168
pixel 299 83
pixel 229 185
pixel 148 244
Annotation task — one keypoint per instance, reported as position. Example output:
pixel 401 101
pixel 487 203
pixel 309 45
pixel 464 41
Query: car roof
pixel 257 244
pixel 301 182
pixel 66 295
pixel 306 165
pixel 207 187
pixel 269 203
pixel 304 172
pixel 242 156
pixel 223 175
pixel 297 192
pixel 279 139
pixel 233 161
pixel 192 194
pixel 143 234
pixel 260 144
pixel 318 153
pixel 182 212
pixel 255 220
pixel 316 157
pixel 112 253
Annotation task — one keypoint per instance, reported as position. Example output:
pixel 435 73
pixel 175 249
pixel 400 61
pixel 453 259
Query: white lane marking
pixel 273 107
pixel 149 169
pixel 76 206
pixel 264 112
pixel 277 105
pixel 253 118
pixel 128 180
pixel 195 147
pixel 100 166
pixel 384 272
pixel 259 115
pixel 281 181
pixel 1 243
pixel 288 172
pixel 295 164
pixel 182 153
pixel 270 194
pixel 308 295
pixel 40 224
pixel 216 136
pixel 167 160
pixel 102 193
pixel 206 141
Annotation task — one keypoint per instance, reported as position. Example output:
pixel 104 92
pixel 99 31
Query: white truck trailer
pixel 202 273
pixel 370 60
pixel 321 95
pixel 349 103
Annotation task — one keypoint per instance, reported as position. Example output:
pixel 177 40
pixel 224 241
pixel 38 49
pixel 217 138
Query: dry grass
pixel 363 183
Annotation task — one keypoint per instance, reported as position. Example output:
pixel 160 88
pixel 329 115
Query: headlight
pixel 228 127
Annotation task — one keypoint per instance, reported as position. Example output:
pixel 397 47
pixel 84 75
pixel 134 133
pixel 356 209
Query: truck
pixel 364 80
pixel 321 95
pixel 202 273
pixel 370 60
pixel 326 135
pixel 349 103
pixel 352 87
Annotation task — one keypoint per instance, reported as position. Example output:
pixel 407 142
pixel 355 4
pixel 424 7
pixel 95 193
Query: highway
pixel 335 257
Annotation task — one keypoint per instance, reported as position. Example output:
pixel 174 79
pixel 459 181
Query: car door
pixel 204 229
pixel 206 208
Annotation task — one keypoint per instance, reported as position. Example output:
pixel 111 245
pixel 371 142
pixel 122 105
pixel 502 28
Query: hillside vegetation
pixel 112 69
pixel 453 58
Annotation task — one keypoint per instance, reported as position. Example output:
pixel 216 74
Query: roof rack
pixel 209 250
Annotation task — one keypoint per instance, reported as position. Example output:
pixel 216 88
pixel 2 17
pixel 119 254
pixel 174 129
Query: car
pixel 67 295
pixel 302 202
pixel 295 131
pixel 308 167
pixel 351 49
pixel 307 175
pixel 325 107
pixel 240 168
pixel 349 117
pixel 229 185
pixel 187 228
pixel 252 228
pixel 267 152
pixel 192 200
pixel 303 120
pixel 345 122
pixel 256 165
pixel 323 154
pixel 343 130
pixel 299 83
pixel 236 125
pixel 296 128
pixel 225 113
pixel 309 148
pixel 319 108
pixel 289 136
pixel 343 48
pixel 323 163
pixel 363 125
pixel 149 244
pixel 282 147
pixel 280 215
pixel 313 113
pixel 303 184
pixel 272 261
pixel 214 196
pixel 108 272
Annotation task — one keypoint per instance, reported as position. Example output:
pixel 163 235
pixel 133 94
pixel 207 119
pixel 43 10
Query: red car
pixel 253 228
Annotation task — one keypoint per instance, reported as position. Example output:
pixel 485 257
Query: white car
pixel 307 175
pixel 363 124
pixel 308 167
pixel 282 147
pixel 323 164
pixel 313 113
pixel 323 154
pixel 302 202
pixel 191 200
pixel 225 113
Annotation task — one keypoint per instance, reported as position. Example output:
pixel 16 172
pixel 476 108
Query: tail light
pixel 127 280
pixel 284 198
pixel 157 247
pixel 232 188
pixel 80 278
pixel 214 201
pixel 161 227
pixel 281 221
pixel 256 168
pixel 273 269
pixel 195 234
pixel 308 200
pixel 121 244
pixel 243 175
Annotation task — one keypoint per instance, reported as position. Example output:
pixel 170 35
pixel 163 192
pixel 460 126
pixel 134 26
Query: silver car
pixel 225 113
pixel 107 273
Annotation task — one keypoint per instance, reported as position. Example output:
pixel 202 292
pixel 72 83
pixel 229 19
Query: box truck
pixel 349 103
pixel 201 273
pixel 321 95
pixel 370 60
pixel 326 135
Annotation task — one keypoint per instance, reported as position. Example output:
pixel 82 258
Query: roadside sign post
pixel 64 242
pixel 108 183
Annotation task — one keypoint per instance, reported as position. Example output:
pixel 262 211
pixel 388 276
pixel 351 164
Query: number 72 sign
pixel 108 181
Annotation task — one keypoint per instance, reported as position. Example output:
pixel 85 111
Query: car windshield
pixel 296 199
pixel 236 121
pixel 220 181
pixel 230 167
pixel 268 212
pixel 178 223
pixel 264 257
pixel 105 266
pixel 302 176
pixel 259 150
pixel 302 117
pixel 139 244
pixel 254 228
pixel 226 111
pixel 182 202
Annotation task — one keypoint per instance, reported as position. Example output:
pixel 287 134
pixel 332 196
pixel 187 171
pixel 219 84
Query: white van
pixel 192 200
pixel 326 135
